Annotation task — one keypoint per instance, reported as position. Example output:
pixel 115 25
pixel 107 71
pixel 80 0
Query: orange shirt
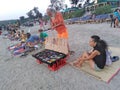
pixel 57 20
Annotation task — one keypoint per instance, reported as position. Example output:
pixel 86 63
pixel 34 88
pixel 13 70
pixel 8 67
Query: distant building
pixel 82 3
pixel 94 6
pixel 113 3
pixel 99 3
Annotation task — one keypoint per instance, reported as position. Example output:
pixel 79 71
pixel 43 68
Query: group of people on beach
pixel 26 41
pixel 96 57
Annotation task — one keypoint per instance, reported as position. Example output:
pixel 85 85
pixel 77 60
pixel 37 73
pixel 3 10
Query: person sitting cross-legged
pixel 97 57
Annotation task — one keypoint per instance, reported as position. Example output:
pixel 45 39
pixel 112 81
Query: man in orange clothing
pixel 57 23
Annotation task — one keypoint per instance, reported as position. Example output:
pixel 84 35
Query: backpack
pixel 108 58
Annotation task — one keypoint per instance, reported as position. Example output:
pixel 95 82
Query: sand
pixel 25 74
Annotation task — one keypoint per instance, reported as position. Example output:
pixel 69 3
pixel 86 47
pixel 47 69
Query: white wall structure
pixel 82 2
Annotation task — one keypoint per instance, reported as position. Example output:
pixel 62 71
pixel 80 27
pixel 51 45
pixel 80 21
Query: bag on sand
pixel 115 58
pixel 108 58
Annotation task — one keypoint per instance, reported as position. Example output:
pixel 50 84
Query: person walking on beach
pixel 112 20
pixel 117 18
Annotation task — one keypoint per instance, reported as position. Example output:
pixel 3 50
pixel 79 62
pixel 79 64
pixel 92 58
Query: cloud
pixel 12 9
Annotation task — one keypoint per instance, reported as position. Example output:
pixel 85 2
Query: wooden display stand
pixel 57 44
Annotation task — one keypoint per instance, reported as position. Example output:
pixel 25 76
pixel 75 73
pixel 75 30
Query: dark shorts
pixel 96 68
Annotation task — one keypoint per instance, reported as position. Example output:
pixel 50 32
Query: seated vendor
pixel 43 35
pixel 32 40
pixel 23 36
pixel 17 35
pixel 97 57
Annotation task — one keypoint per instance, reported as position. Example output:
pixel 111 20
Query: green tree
pixel 30 14
pixel 99 1
pixel 37 13
pixel 103 10
pixel 77 13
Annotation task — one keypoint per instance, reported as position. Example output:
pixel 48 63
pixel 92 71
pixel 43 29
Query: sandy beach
pixel 25 74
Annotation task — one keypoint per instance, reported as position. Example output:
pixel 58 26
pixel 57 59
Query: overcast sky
pixel 13 9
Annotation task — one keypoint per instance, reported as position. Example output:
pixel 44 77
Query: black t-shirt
pixel 100 60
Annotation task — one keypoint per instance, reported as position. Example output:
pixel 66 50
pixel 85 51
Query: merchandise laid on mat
pixel 26 43
pixel 22 50
pixel 54 54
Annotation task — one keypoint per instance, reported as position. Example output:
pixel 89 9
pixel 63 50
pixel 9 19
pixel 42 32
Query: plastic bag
pixel 115 58
pixel 108 58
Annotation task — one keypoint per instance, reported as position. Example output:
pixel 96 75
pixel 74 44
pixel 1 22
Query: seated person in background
pixel 97 57
pixel 23 36
pixel 32 40
pixel 43 35
pixel 17 35
pixel 12 35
